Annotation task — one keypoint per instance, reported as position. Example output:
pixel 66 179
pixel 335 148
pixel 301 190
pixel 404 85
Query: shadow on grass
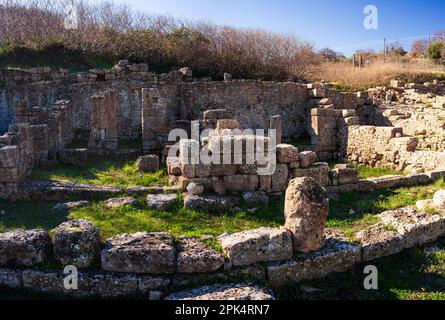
pixel 107 171
pixel 403 276
pixel 29 215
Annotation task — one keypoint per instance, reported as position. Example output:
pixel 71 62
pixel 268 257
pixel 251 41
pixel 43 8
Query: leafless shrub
pixel 106 29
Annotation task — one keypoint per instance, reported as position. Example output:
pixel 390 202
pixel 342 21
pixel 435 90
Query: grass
pixel 107 171
pixel 415 274
pixel 371 172
pixel 345 78
pixel 366 171
pixel 128 219
pixel 354 210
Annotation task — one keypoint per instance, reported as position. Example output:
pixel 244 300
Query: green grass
pixel 128 219
pixel 366 171
pixel 414 274
pixel 370 172
pixel 107 171
pixel 353 210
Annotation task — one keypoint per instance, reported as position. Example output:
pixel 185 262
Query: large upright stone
pixel 275 123
pixel 77 242
pixel 306 208
pixel 22 248
pixel 140 252
pixel 104 121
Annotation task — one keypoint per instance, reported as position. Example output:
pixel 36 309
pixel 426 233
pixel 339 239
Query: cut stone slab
pixel 306 209
pixel 161 202
pixel 77 242
pixel 263 244
pixel 66 206
pixel 22 248
pixel 209 203
pixel 253 199
pixel 140 252
pixel 417 227
pixel 10 278
pixel 223 292
pixel 338 255
pixel 439 199
pixel 93 284
pixel 120 202
pixel 377 241
pixel 195 257
pixel 149 163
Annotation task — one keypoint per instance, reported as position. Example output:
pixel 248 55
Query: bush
pixel 108 33
pixel 436 50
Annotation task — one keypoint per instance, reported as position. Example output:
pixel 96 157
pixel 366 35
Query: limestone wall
pixel 387 147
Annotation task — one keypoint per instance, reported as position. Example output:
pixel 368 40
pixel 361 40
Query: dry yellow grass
pixel 377 73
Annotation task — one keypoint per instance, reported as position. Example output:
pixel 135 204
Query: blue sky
pixel 326 23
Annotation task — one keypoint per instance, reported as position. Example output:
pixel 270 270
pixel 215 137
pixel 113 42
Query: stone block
pixel 77 242
pixel 22 248
pixel 161 202
pixel 252 246
pixel 209 203
pixel 307 158
pixel 378 241
pixel 287 153
pixel 280 178
pixel 140 252
pixel 337 255
pixel 318 171
pixel 148 163
pixel 417 227
pixel 195 257
pixel 240 183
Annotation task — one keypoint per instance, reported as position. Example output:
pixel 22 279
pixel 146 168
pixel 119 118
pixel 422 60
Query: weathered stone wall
pixel 387 147
pixel 250 102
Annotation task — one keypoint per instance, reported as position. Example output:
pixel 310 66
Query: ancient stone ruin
pixel 382 127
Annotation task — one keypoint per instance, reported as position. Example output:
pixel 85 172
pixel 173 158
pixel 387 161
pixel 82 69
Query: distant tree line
pixel 432 48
